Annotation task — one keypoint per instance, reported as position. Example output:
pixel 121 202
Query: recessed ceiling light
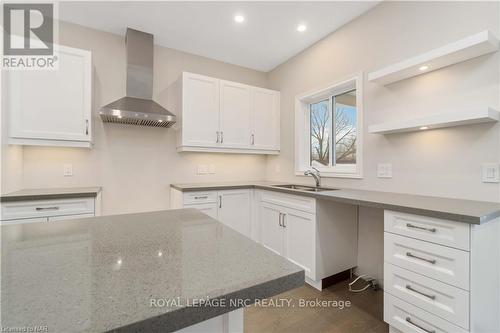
pixel 239 18
pixel 423 68
pixel 301 28
pixel 424 128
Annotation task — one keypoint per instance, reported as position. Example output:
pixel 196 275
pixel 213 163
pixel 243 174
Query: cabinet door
pixel 271 229
pixel 69 217
pixel 265 119
pixel 234 210
pixel 52 104
pixel 208 208
pixel 235 115
pixel 200 114
pixel 20 221
pixel 300 232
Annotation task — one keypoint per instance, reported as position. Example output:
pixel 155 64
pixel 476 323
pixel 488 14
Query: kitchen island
pixel 147 272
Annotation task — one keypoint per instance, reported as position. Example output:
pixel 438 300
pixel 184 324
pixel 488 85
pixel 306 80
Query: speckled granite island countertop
pixel 107 273
pixel 467 211
pixel 50 193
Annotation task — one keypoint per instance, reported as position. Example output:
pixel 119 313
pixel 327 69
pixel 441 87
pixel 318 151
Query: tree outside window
pixel 339 113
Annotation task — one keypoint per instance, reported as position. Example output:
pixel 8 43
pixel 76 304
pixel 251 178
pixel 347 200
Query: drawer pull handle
pixel 409 225
pixel 408 319
pixel 202 197
pixel 419 292
pixel 279 219
pixel 283 223
pixel 47 208
pixel 411 255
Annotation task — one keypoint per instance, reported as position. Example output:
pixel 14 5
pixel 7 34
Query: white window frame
pixel 302 128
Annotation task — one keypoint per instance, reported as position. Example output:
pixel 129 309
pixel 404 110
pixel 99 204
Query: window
pixel 327 131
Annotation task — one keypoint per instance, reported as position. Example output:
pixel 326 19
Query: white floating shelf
pixel 464 49
pixel 436 121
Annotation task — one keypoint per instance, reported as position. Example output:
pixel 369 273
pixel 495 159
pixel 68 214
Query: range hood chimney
pixel 138 107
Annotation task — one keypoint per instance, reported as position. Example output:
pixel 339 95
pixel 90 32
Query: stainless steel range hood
pixel 137 107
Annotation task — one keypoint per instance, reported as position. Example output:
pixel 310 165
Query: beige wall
pixel 439 163
pixel 135 165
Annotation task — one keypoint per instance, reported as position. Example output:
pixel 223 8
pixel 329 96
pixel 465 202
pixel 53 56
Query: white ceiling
pixel 267 38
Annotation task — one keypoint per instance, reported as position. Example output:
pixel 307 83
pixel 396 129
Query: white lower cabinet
pixel 289 233
pixel 231 207
pixel 30 211
pixel 319 236
pixel 441 276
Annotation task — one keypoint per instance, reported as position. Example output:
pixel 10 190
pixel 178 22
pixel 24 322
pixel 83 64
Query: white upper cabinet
pixel 234 115
pixel 52 107
pixel 265 119
pixel 227 117
pixel 200 110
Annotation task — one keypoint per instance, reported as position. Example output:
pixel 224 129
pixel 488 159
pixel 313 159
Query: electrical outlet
pixel 384 170
pixel 490 172
pixel 211 169
pixel 68 170
pixel 202 169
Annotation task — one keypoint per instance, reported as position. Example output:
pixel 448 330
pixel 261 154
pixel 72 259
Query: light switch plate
pixel 67 170
pixel 202 169
pixel 211 169
pixel 384 170
pixel 490 172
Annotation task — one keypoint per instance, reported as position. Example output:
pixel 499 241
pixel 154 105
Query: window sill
pixel 325 174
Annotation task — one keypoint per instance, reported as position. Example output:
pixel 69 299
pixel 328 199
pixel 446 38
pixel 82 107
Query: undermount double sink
pixel 304 188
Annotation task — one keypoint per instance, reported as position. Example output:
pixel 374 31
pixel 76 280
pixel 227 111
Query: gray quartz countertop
pixel 50 193
pixel 467 211
pixel 108 273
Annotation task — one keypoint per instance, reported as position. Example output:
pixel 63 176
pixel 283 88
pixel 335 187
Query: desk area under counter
pixel 435 275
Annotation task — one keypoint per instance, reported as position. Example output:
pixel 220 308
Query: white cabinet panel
pixel 265 118
pixel 32 220
pixel 226 117
pixel 44 208
pixel 443 300
pixel 411 319
pixel 234 210
pixel 52 104
pixel 200 110
pixel 208 208
pixel 234 115
pixel 272 236
pixel 449 233
pixel 68 217
pixel 300 239
pixel 439 262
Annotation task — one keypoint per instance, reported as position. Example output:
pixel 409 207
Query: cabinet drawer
pixel 438 298
pixel 298 202
pixel 411 319
pixel 445 232
pixel 45 208
pixel 435 261
pixel 200 197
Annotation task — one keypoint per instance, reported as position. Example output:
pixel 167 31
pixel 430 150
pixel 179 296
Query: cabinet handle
pixel 253 139
pixel 86 127
pixel 409 225
pixel 202 197
pixel 47 208
pixel 419 292
pixel 411 255
pixel 283 223
pixel 217 137
pixel 220 201
pixel 408 319
pixel 221 137
pixel 279 220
